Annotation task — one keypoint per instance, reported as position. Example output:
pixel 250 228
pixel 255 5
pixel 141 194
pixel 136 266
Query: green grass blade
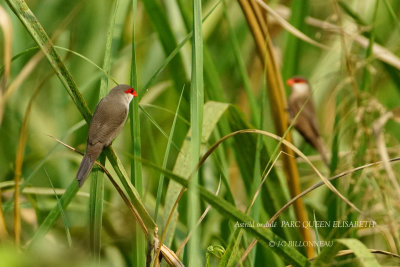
pixel 255 114
pixel 63 216
pixel 136 169
pixel 97 178
pixel 35 48
pixel 159 108
pixel 153 121
pixel 213 89
pixel 213 86
pixel 393 15
pixel 364 257
pixel 352 13
pixel 212 113
pixel 136 166
pixel 165 161
pixel 316 234
pixel 299 11
pixel 167 38
pixel 255 210
pixel 231 256
pixel 196 121
pixel 166 61
pixel 171 56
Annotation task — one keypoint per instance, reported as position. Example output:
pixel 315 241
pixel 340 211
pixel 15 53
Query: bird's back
pixel 108 119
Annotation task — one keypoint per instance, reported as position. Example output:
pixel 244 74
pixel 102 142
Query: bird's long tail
pixel 84 169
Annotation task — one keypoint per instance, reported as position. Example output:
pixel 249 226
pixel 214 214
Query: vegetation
pixel 208 163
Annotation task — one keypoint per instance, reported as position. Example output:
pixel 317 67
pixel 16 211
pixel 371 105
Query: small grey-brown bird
pixel 107 121
pixel 306 123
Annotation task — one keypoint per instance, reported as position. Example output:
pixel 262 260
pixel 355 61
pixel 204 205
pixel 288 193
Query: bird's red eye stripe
pixel 299 80
pixel 131 91
pixel 292 81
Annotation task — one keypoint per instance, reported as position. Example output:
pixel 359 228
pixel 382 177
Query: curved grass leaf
pixel 363 255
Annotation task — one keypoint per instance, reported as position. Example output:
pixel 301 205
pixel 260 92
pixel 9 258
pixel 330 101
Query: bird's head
pixel 299 85
pixel 122 92
pixel 130 91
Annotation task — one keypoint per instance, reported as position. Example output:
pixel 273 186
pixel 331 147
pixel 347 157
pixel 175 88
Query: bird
pixel 306 123
pixel 107 121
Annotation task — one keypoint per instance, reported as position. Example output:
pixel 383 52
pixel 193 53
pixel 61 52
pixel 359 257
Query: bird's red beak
pixel 131 91
pixel 290 82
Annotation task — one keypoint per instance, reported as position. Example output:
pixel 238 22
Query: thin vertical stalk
pixel 97 178
pixel 255 210
pixel 196 119
pixel 136 166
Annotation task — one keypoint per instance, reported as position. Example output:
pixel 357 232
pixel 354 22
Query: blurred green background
pixel 356 90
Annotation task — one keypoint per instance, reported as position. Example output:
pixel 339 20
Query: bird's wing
pixel 309 112
pixel 107 121
pixel 306 122
pixel 294 107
